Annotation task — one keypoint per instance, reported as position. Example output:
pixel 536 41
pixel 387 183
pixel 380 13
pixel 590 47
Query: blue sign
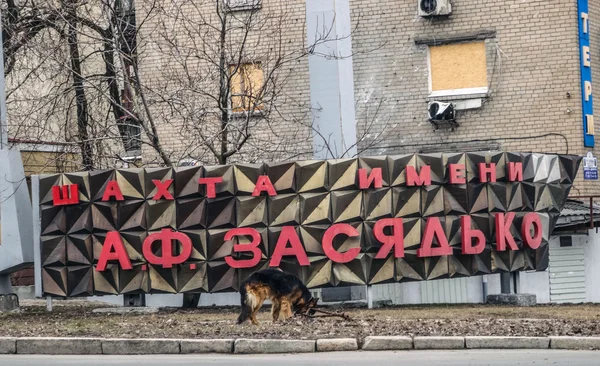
pixel 586 74
pixel 590 174
pixel 590 167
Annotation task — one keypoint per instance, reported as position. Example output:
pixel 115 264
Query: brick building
pixel 519 75
pixel 516 67
pixel 515 73
pixel 512 70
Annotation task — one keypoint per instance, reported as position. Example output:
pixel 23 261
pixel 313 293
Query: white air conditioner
pixel 430 8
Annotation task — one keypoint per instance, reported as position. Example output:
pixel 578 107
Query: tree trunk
pixel 224 91
pixel 113 86
pixel 80 99
pixel 111 78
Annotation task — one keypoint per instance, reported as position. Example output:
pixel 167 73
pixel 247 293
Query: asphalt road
pixel 413 358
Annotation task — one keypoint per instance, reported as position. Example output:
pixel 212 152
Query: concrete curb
pixel 115 346
pixel 575 343
pixel 273 346
pixel 8 346
pixel 206 346
pixel 139 346
pixel 59 346
pixel 337 344
pixel 507 342
pixel 439 342
pixel 391 343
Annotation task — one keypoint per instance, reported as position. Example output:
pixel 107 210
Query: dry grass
pixel 77 319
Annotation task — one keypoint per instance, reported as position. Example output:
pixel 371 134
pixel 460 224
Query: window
pixel 129 126
pixel 126 26
pixel 131 134
pixel 566 241
pixel 235 5
pixel 246 87
pixel 125 6
pixel 457 69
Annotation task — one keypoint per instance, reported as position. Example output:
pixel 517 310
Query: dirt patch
pixel 77 319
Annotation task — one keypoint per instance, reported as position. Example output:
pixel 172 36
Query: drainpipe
pixel 5 285
pixel 3 111
pixel 331 77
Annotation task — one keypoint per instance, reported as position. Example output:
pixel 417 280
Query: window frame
pixel 256 5
pixel 483 90
pixel 258 110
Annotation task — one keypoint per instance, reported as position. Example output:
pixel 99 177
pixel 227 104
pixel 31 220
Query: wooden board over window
pixel 458 68
pixel 42 162
pixel 246 87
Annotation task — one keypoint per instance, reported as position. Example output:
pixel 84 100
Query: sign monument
pixel 344 222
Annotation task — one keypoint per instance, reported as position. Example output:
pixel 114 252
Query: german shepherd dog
pixel 285 291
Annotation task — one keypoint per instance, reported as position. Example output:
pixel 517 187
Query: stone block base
pixel 9 303
pixel 512 299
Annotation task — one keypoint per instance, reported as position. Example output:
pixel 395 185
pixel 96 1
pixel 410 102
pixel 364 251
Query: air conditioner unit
pixel 442 113
pixel 431 8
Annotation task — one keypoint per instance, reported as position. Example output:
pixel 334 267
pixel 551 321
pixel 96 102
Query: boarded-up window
pixel 246 87
pixel 44 162
pixel 458 68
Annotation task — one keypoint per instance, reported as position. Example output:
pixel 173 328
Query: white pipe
pixel 3 125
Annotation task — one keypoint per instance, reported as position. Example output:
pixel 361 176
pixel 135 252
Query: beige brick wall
pixel 533 62
pixel 174 48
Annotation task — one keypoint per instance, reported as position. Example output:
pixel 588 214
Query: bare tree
pixel 212 80
pixel 217 81
pixel 227 79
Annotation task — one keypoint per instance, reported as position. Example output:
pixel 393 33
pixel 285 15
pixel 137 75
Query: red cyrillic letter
pixel 434 228
pixel 484 170
pixel 263 184
pixel 503 235
pixel 288 235
pixel 365 182
pixel 113 190
pixel 250 247
pixel 211 190
pixel 396 240
pixel 421 179
pixel 162 189
pixel 515 172
pixel 330 251
pixel 70 195
pixel 467 236
pixel 166 237
pixel 457 174
pixel 532 218
pixel 113 249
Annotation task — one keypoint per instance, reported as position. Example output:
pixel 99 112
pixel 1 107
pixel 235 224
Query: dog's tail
pixel 246 305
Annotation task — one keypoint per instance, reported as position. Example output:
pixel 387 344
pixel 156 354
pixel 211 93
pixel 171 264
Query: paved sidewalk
pixel 412 358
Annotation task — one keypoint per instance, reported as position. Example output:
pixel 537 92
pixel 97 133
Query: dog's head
pixel 302 306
